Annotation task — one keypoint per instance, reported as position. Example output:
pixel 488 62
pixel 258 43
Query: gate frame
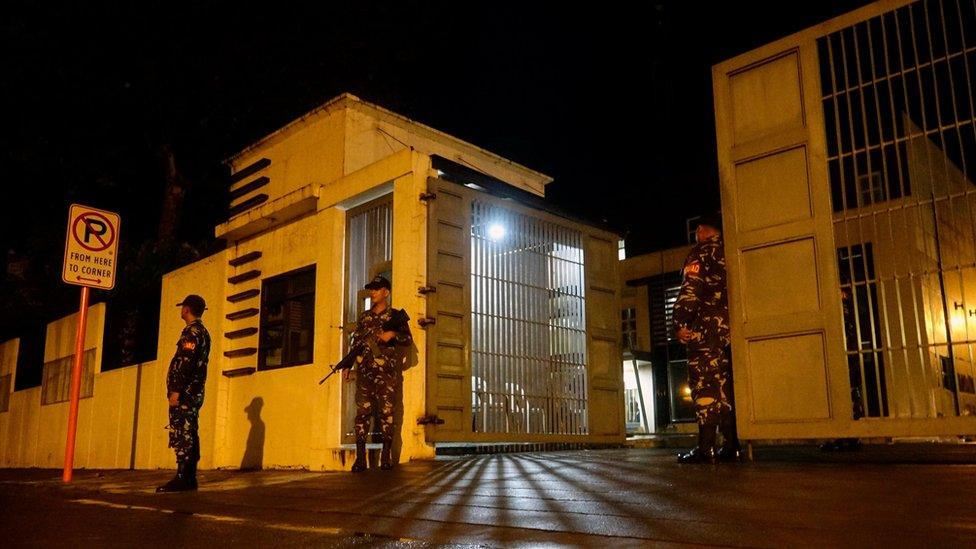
pixel 811 136
pixel 604 386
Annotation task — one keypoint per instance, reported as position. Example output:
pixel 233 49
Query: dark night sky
pixel 611 99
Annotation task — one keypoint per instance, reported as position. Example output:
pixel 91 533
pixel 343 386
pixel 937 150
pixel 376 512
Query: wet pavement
pixel 621 497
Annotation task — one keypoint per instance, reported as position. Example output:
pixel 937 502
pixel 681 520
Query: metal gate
pixel 524 340
pixel 847 154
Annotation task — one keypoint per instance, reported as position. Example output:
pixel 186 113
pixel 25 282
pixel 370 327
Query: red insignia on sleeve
pixel 189 345
pixel 693 267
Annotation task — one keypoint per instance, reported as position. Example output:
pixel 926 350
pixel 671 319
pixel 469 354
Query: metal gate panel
pixel 785 324
pixel 526 330
pixel 448 348
pixel 845 278
pixel 604 372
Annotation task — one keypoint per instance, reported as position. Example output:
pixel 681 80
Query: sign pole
pixel 90 261
pixel 69 449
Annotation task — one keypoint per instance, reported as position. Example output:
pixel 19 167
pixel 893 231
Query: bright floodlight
pixel 496 231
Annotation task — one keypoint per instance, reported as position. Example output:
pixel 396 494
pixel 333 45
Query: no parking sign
pixel 90 250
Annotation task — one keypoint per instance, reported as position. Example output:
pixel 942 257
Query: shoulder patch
pixel 189 345
pixel 693 267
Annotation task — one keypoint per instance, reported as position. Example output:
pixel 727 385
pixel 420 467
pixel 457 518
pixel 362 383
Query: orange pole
pixel 69 449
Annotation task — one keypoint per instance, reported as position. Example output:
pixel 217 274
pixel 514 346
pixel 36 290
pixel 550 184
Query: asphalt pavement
pixel 895 496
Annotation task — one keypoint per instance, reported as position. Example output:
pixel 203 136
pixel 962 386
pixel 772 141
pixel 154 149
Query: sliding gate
pixel 847 155
pixel 522 328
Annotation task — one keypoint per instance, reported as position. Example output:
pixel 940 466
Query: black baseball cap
pixel 377 283
pixel 194 302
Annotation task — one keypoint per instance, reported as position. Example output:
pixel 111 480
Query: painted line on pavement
pixel 120 505
pixel 224 518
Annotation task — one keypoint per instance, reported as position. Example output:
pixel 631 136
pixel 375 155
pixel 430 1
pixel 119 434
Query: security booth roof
pixel 462 175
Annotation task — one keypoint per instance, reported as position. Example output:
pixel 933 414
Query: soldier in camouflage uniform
pixel 184 386
pixel 701 316
pixel 381 335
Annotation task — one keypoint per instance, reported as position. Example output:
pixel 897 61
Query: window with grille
pixel 862 330
pixel 56 383
pixel 869 188
pixel 663 293
pixel 287 319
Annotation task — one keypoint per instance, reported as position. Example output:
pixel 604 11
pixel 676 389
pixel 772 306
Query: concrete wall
pixel 313 155
pixel 296 427
pixel 32 435
pixel 300 421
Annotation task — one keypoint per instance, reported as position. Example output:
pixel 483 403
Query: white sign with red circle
pixel 90 250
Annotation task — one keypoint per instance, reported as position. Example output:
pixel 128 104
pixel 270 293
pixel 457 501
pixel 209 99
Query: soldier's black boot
pixel 730 450
pixel 360 464
pixel 177 483
pixel 386 458
pixel 705 451
pixel 190 474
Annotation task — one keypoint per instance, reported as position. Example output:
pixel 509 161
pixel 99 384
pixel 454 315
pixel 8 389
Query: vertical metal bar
pixel 510 380
pixel 519 382
pixel 561 383
pixel 580 360
pixel 486 341
pixel 475 319
pixel 499 346
pixel 871 265
pixel 565 320
pixel 492 380
pixel 518 257
pixel 850 246
pixel 555 337
pixel 843 186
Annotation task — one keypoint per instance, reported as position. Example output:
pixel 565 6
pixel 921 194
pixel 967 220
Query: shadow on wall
pixel 253 459
pixel 412 360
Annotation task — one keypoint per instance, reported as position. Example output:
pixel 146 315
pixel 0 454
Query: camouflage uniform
pixel 377 371
pixel 187 375
pixel 703 307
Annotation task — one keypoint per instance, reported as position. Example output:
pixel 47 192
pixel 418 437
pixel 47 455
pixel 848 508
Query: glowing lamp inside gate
pixel 496 231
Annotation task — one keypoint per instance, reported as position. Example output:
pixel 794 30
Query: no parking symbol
pixel 90 256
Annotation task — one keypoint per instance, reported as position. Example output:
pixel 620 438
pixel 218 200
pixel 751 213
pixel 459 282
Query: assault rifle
pixel 398 322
